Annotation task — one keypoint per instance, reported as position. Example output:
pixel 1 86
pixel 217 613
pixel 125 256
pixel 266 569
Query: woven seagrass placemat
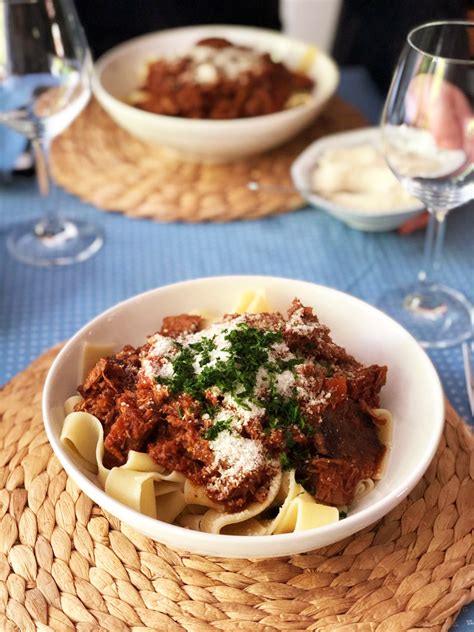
pixel 106 166
pixel 67 565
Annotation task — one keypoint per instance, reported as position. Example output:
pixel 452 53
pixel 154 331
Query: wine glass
pixel 428 142
pixel 45 69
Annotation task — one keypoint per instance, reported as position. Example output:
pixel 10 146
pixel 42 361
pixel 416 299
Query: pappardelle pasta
pixel 254 424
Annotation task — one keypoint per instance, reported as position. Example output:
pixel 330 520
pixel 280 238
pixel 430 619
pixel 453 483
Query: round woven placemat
pixel 106 166
pixel 65 564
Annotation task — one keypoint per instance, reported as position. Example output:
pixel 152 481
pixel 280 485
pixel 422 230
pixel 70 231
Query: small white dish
pixel 120 71
pixel 413 394
pixel 302 169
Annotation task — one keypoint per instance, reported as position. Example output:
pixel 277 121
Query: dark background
pixel 370 33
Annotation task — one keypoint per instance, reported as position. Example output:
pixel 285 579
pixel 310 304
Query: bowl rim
pixel 102 93
pixel 202 540
pixel 310 155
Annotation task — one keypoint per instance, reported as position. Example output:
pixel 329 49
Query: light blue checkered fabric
pixel 43 306
pixel 40 307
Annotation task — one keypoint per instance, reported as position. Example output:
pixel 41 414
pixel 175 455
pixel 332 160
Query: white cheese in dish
pixel 235 457
pixel 357 177
pixel 209 63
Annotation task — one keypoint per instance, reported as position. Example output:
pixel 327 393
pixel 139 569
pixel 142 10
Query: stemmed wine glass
pixel 428 142
pixel 45 69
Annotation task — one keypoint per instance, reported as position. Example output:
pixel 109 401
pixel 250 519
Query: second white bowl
pixel 119 72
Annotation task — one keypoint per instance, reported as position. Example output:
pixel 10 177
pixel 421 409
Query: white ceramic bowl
pixel 371 221
pixel 120 70
pixel 413 393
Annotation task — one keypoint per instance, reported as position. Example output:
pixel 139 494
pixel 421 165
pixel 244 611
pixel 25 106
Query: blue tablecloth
pixel 41 307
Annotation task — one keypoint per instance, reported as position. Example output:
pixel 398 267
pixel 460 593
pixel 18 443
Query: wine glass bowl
pixel 428 142
pixel 45 69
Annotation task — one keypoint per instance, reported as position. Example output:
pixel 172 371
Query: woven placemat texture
pixel 67 565
pixel 106 166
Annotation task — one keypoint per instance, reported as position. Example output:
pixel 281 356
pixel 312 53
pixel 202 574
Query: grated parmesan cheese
pixel 217 333
pixel 235 456
pixel 240 414
pixel 154 363
pixel 210 63
pixel 285 382
pixel 160 345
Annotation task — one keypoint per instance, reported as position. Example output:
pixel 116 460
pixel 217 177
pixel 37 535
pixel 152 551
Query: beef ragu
pixel 229 404
pixel 218 80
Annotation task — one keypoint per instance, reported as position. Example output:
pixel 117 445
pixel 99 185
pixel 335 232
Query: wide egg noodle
pixel 310 514
pixel 142 462
pixel 196 495
pixel 170 506
pixel 288 490
pixel 299 510
pixel 308 59
pixel 190 521
pixel 252 302
pixel 252 526
pixel 134 489
pixel 146 493
pixel 208 317
pixel 363 487
pixel 214 521
pixel 249 302
pixel 164 487
pixel 83 436
pixel 71 403
pixel 145 486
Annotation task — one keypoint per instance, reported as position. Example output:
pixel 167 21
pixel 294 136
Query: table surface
pixel 40 307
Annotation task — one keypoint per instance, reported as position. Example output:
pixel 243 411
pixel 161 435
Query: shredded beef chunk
pixel 347 432
pixel 274 321
pixel 135 417
pixel 364 383
pixel 333 480
pixel 305 334
pixel 178 444
pixel 107 379
pixel 129 432
pixel 125 406
pixel 252 487
pixel 117 372
pixel 174 326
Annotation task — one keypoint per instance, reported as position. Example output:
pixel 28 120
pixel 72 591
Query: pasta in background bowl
pixel 412 394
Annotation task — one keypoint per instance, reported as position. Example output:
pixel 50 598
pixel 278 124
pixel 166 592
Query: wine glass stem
pixel 50 224
pixel 433 245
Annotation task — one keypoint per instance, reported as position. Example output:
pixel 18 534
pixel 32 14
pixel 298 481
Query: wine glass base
pixel 437 316
pixel 71 242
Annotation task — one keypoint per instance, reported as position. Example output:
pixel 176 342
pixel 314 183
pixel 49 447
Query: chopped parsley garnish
pixel 221 424
pixel 285 461
pixel 283 412
pixel 295 452
pixel 289 365
pixel 246 352
pixel 204 348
